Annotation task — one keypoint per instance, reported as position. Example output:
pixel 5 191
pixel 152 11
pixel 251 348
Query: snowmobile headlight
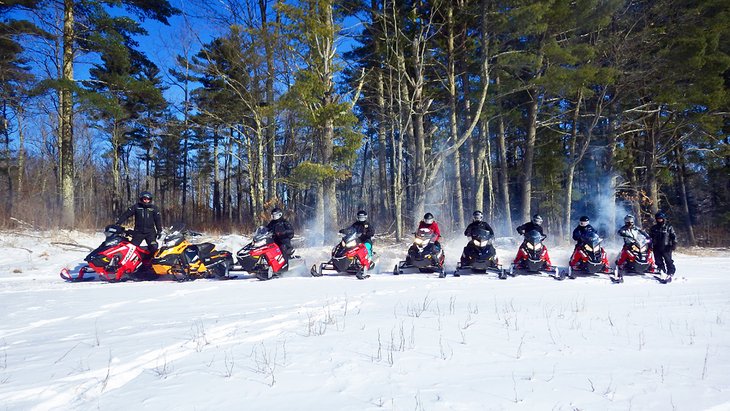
pixel 481 244
pixel 530 246
pixel 477 243
pixel 538 246
pixel 420 241
pixel 634 247
pixel 644 248
pixel 588 247
pixel 259 243
pixel 350 244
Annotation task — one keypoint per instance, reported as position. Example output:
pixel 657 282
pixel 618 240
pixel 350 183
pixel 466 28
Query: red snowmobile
pixel 349 256
pixel 532 256
pixel 636 258
pixel 116 259
pixel 588 259
pixel 262 256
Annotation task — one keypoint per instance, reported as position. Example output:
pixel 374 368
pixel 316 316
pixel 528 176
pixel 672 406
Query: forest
pixel 324 107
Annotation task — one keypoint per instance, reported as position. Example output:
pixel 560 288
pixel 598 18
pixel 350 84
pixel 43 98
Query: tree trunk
pixel 529 158
pixel 573 160
pixel 384 208
pixel 684 194
pixel 68 215
pixel 458 200
pixel 21 147
pixel 503 174
pixel 651 164
pixel 270 133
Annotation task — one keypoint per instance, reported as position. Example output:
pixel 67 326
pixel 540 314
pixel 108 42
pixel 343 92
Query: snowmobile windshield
pixel 173 239
pixel 261 236
pixel 533 240
pixel 591 240
pixel 423 237
pixel 482 238
pixel 113 230
pixel 640 243
pixel 349 237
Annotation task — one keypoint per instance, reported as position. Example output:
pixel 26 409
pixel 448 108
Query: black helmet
pixel 629 219
pixel 585 218
pixel 276 213
pixel 362 215
pixel 536 219
pixel 145 195
pixel 478 216
pixel 660 216
pixel 428 218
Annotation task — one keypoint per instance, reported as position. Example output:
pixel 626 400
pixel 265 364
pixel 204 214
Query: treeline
pixel 512 107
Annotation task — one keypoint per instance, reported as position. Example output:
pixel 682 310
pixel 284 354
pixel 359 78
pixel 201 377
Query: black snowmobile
pixel 479 255
pixel 424 254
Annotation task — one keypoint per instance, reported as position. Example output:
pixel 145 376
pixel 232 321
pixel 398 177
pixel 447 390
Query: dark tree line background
pixel 323 107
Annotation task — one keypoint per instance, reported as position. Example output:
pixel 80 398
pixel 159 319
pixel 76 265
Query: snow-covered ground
pixel 409 342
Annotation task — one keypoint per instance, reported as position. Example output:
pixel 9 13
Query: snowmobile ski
pixel 66 275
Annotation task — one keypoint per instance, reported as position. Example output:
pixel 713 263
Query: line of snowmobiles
pixel 117 259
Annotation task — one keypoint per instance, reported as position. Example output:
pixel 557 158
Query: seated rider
pixel 429 222
pixel 581 230
pixel 282 232
pixel 534 224
pixel 365 230
pixel 477 224
pixel 629 232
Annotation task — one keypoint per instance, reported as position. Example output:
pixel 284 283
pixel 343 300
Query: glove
pixel 159 235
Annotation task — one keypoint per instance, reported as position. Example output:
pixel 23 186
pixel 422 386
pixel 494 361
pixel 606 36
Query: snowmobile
pixel 185 261
pixel 638 259
pixel 349 256
pixel 424 254
pixel 479 255
pixel 116 259
pixel 262 256
pixel 532 257
pixel 588 259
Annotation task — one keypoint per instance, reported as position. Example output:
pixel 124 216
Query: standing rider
pixel 147 221
pixel 282 232
pixel 664 241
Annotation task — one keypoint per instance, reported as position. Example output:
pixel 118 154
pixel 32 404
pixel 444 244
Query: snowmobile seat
pixel 205 249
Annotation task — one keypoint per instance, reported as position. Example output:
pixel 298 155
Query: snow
pixel 404 342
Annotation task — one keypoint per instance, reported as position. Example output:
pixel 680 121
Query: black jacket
pixel 475 225
pixel 529 226
pixel 147 218
pixel 663 236
pixel 581 230
pixel 365 229
pixel 281 229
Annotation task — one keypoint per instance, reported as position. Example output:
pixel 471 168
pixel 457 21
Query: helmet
pixel 145 195
pixel 660 216
pixel 629 219
pixel 478 216
pixel 276 213
pixel 362 215
pixel 428 218
pixel 536 219
pixel 584 220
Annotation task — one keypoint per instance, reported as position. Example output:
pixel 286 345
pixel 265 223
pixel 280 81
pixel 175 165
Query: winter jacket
pixel 663 236
pixel 631 231
pixel 434 227
pixel 476 225
pixel 365 229
pixel 580 231
pixel 529 226
pixel 147 218
pixel 281 230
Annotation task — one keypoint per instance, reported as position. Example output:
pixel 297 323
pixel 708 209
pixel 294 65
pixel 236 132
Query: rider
pixel 147 221
pixel 282 232
pixel 536 225
pixel 429 222
pixel 664 241
pixel 629 231
pixel 477 224
pixel 365 230
pixel 582 229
